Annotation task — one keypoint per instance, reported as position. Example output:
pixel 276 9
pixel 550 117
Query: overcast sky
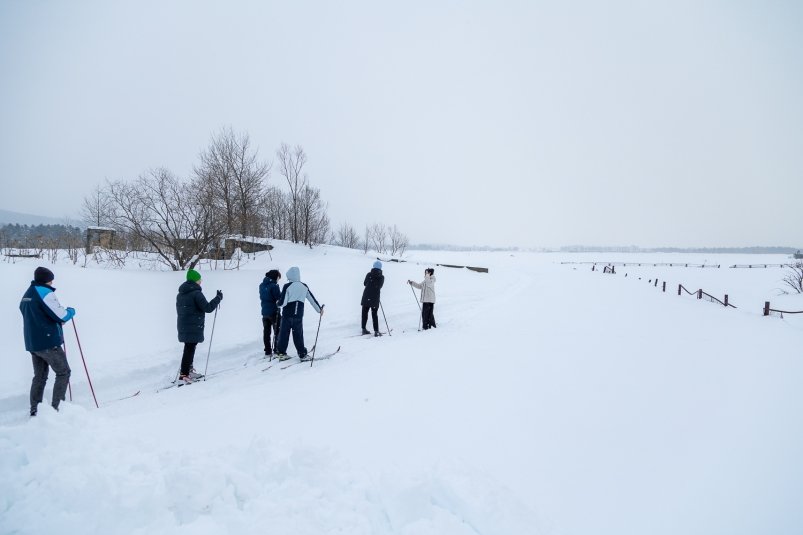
pixel 503 123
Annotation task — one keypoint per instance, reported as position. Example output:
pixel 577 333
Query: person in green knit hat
pixel 191 308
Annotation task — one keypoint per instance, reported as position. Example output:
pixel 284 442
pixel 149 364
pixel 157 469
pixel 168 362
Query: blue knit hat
pixel 377 265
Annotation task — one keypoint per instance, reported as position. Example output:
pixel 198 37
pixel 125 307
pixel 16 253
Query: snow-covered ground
pixel 550 400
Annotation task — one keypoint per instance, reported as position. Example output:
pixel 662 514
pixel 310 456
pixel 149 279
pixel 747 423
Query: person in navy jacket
pixel 42 317
pixel 191 310
pixel 269 294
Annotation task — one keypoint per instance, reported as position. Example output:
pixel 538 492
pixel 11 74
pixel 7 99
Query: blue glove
pixel 71 310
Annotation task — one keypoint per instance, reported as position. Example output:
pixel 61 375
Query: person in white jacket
pixel 291 301
pixel 427 287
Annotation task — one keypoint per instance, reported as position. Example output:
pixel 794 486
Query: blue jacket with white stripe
pixel 42 317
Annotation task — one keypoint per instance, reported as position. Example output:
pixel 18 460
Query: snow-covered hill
pixel 550 399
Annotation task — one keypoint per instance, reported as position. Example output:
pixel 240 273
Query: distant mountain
pixel 9 217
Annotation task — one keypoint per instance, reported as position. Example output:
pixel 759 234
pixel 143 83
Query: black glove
pixel 220 295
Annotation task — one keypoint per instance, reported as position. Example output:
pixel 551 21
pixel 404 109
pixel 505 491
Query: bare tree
pixel 366 243
pixel 174 219
pixel 398 241
pixel 314 222
pixel 794 277
pixel 346 236
pixel 291 165
pixel 379 237
pixel 231 170
pixel 97 207
pixel 275 213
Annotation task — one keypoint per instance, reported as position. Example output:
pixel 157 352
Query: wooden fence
pixel 770 311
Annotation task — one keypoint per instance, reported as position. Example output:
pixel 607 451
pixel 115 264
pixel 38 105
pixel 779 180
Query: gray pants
pixel 53 358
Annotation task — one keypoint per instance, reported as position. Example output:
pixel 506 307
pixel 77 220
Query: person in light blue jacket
pixel 291 301
pixel 42 317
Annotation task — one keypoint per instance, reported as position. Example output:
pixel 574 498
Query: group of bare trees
pixel 183 220
pixel 378 237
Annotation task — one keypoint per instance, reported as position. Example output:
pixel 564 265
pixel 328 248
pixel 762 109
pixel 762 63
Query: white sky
pixel 503 123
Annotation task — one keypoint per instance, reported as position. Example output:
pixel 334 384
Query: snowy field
pixel 551 399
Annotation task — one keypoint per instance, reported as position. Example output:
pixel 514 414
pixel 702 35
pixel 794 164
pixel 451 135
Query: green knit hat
pixel 193 275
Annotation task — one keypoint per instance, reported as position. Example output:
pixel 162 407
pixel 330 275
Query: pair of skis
pixel 308 359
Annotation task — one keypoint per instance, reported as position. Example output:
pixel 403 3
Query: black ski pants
pixel 270 329
pixel 428 315
pixel 188 357
pixel 374 317
pixel 43 360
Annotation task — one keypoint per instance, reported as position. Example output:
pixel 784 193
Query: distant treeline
pixel 702 250
pixel 441 247
pixel 39 236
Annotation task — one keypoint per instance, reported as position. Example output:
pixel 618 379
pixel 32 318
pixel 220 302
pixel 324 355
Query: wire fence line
pixel 647 264
pixel 768 311
pixel 699 293
pixel 683 265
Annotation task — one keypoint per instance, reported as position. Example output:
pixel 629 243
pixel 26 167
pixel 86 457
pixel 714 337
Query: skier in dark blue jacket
pixel 42 317
pixel 269 294
pixel 192 308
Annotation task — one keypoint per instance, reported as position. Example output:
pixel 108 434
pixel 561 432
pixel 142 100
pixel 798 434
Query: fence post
pixel 656 283
pixel 726 299
pixel 592 267
pixel 664 286
pixel 766 308
pixel 700 293
pixel 679 287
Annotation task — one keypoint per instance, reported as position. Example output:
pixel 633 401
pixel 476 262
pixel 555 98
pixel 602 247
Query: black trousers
pixel 42 361
pixel 428 315
pixel 270 328
pixel 188 357
pixel 374 317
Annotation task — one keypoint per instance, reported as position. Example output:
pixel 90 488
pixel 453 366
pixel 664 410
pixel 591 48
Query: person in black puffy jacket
pixel 191 308
pixel 269 294
pixel 370 297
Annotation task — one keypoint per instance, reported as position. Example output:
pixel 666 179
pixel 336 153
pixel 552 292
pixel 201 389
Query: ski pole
pixel 84 361
pixel 211 337
pixel 386 318
pixel 276 326
pixel 419 307
pixel 316 337
pixel 69 386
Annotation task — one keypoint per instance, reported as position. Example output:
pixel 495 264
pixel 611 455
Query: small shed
pixel 99 237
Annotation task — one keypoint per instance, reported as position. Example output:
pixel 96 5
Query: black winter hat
pixel 42 275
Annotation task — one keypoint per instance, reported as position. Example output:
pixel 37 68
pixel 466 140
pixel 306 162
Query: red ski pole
pixel 84 361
